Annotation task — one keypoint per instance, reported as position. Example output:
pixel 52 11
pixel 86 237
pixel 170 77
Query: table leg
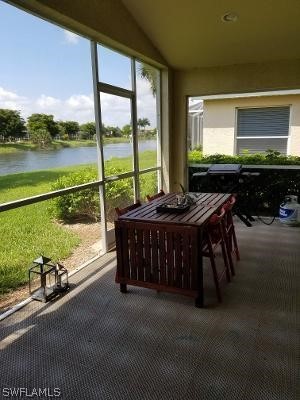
pixel 123 288
pixel 199 301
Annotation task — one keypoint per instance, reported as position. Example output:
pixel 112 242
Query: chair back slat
pixel 213 239
pixel 155 196
pixel 230 204
pixel 229 232
pixel 122 211
pixel 215 219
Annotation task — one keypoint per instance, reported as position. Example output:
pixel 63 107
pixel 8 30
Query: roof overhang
pixel 244 95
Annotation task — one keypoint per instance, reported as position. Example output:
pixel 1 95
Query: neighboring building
pixel 195 125
pixel 252 123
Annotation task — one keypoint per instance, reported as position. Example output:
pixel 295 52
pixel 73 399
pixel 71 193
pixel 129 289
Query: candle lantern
pixel 61 279
pixel 52 279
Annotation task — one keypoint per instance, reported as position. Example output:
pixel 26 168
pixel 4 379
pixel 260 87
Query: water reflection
pixel 44 159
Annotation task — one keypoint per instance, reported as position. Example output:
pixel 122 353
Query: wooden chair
pixel 213 237
pixel 121 211
pixel 229 233
pixel 155 196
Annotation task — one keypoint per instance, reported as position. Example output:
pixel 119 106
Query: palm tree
pixel 150 74
pixel 143 122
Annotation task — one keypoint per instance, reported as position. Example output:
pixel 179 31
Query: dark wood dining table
pixel 162 250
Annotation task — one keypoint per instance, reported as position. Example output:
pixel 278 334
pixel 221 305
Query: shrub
pixel 84 205
pixel 148 184
pixel 118 193
pixel 268 189
pixel 270 157
pixel 84 135
pixel 194 156
pixel 41 137
pixel 81 205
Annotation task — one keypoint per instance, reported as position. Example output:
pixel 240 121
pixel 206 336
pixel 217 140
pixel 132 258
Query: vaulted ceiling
pixel 191 33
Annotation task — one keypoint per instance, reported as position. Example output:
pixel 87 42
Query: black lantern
pixel 53 279
pixel 61 279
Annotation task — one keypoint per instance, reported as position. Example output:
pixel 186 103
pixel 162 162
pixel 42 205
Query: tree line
pixel 42 128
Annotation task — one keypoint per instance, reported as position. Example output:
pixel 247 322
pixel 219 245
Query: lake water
pixel 44 159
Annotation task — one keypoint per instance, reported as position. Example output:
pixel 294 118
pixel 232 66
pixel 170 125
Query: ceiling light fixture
pixel 229 17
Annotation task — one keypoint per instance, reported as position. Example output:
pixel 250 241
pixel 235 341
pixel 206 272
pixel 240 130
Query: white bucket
pixel 289 212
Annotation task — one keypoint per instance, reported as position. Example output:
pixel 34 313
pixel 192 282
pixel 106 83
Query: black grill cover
pixel 225 169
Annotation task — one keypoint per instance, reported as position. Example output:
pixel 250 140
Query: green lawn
pixel 59 144
pixel 55 145
pixel 30 231
pixel 147 159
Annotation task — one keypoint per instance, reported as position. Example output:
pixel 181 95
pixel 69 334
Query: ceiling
pixel 191 34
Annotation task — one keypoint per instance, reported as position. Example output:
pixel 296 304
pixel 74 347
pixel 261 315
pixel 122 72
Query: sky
pixel 47 69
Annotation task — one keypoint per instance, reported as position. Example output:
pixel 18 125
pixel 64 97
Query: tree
pixel 62 131
pixel 12 125
pixel 103 130
pixel 151 75
pixel 127 130
pixel 143 122
pixel 41 137
pixel 113 131
pixel 69 128
pixel 87 130
pixel 42 121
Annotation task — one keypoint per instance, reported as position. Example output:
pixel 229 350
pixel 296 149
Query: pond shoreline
pixel 40 159
pixel 16 147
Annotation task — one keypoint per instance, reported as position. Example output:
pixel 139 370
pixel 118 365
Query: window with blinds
pixel 260 129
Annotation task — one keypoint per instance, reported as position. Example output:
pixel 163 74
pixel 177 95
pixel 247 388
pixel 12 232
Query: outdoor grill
pixel 230 178
pixel 225 169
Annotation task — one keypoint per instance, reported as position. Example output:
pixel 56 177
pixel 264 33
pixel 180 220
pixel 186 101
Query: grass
pixel 147 159
pixel 26 184
pixel 57 144
pixel 30 231
pixel 6 148
pixel 112 140
pixel 26 233
pixel 142 136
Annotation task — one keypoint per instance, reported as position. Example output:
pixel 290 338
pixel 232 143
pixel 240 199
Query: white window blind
pixel 259 129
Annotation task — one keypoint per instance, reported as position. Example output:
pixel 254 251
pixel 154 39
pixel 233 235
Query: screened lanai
pixel 147 344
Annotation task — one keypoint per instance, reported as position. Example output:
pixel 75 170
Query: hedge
pixel 84 205
pixel 270 157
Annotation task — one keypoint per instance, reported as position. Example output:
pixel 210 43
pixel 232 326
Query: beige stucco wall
pixel 219 121
pixel 218 127
pixel 244 78
pixel 294 145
